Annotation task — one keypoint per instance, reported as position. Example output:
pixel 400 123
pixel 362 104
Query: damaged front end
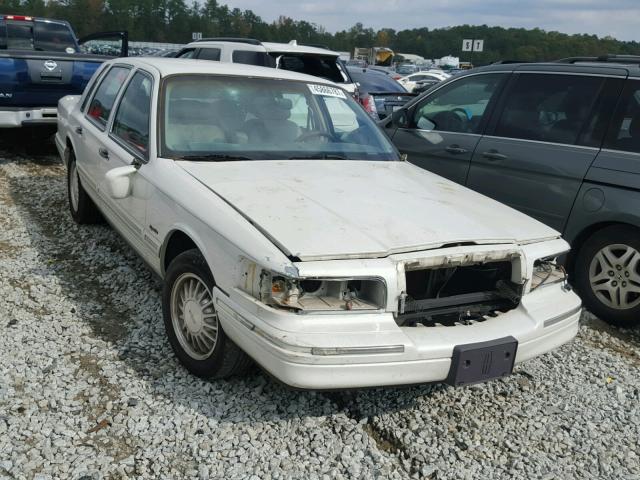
pixel 460 289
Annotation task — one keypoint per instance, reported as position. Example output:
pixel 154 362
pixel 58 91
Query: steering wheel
pixel 306 136
pixel 465 115
pixel 451 120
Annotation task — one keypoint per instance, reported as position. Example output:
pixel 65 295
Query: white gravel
pixel 90 389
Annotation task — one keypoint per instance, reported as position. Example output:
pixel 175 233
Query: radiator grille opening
pixel 460 295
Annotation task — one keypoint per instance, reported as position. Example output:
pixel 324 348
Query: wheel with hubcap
pixel 191 320
pixel 608 274
pixel 82 208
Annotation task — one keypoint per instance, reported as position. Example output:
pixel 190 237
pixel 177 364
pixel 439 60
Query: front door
pixel 547 133
pixel 445 127
pixel 128 144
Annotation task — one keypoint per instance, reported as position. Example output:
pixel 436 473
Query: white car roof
pixel 252 47
pixel 174 66
pixel 293 47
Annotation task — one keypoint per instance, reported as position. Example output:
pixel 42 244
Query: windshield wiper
pixel 327 156
pixel 212 157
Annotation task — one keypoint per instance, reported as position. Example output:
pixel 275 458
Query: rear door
pixel 93 154
pixel 445 127
pixel 542 140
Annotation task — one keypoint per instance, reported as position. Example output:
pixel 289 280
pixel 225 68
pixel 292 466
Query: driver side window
pixel 460 106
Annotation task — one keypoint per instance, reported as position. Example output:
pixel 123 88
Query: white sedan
pixel 412 81
pixel 288 230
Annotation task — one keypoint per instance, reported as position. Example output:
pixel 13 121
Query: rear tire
pixel 191 320
pixel 607 275
pixel 82 208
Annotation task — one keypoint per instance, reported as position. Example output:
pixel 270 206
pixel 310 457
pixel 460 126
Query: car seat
pixel 272 124
pixel 192 125
pixel 632 142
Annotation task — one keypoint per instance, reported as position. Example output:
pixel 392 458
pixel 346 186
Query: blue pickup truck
pixel 41 61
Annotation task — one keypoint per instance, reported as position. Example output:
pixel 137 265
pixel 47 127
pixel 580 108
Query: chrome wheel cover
pixel 614 275
pixel 74 187
pixel 194 319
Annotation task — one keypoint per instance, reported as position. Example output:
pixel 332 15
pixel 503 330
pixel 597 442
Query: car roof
pixel 293 47
pixel 236 43
pixel 176 66
pixel 586 67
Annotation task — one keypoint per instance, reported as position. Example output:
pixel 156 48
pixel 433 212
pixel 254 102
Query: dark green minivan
pixel 558 141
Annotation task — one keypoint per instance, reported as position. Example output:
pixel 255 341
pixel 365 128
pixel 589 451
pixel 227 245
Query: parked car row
pixel 289 229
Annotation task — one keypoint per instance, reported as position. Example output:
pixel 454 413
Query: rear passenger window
pixel 251 57
pixel 624 133
pixel 548 107
pixel 105 96
pixel 186 53
pixel 209 54
pixel 131 124
pixel 20 36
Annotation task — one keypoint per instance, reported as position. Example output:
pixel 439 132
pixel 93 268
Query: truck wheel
pixel 191 320
pixel 82 208
pixel 607 274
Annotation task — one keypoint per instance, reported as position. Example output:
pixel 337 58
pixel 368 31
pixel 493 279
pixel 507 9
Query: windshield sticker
pixel 326 90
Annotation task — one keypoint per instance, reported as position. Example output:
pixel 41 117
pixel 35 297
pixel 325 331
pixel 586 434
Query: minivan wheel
pixel 81 207
pixel 607 274
pixel 191 320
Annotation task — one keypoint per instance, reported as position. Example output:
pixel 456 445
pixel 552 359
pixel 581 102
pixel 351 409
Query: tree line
pixel 174 21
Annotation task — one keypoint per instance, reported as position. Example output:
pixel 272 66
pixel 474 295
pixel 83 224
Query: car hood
pixel 325 209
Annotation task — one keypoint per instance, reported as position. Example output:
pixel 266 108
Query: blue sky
pixel 618 18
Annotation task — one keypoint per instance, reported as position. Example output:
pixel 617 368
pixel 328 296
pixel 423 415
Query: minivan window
pixel 131 123
pixel 624 133
pixel 545 107
pixel 317 66
pixel 459 106
pixel 209 54
pixel 186 53
pixel 249 57
pixel 105 96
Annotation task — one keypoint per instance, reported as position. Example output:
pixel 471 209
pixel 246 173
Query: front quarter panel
pixel 181 203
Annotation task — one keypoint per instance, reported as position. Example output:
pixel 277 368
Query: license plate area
pixel 481 362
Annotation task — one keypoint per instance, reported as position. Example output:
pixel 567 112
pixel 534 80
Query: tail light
pixel 18 17
pixel 369 104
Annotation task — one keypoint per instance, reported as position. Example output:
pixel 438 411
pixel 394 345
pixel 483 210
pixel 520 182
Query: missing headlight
pixel 314 294
pixel 547 271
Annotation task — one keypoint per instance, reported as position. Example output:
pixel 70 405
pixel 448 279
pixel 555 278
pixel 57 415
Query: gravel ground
pixel 90 389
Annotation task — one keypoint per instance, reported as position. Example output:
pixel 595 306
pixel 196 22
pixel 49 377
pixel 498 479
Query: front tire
pixel 607 274
pixel 191 320
pixel 81 207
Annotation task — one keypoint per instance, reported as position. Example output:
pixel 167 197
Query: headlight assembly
pixel 313 294
pixel 546 272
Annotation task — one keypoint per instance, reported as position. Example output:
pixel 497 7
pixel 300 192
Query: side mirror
pixel 118 181
pixel 400 118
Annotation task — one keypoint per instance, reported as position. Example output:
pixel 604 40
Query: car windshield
pixel 207 117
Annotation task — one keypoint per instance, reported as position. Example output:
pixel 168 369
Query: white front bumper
pixel 25 117
pixel 426 351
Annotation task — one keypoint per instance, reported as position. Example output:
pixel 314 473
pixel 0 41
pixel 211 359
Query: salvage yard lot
pixel 89 387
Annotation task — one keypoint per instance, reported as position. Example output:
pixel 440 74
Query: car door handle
pixel 455 149
pixel 494 155
pixel 104 153
pixel 79 130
